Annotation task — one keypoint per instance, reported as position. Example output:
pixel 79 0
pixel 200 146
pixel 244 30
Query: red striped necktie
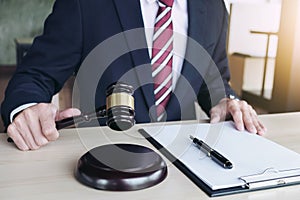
pixel 162 56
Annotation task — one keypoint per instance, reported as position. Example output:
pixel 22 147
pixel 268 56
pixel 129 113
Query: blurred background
pixel 263 41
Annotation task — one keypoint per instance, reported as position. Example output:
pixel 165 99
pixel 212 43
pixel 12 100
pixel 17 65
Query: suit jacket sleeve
pixel 209 98
pixel 50 61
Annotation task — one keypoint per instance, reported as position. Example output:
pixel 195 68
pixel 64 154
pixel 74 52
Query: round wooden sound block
pixel 121 167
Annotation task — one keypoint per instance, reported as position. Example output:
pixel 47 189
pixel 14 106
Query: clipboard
pixel 283 168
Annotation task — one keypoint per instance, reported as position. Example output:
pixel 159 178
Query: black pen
pixel 215 156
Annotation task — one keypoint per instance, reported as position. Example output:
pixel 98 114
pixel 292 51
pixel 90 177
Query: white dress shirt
pixel 149 10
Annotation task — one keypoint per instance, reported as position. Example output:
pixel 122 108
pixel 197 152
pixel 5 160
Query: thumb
pixel 215 115
pixel 214 118
pixel 70 112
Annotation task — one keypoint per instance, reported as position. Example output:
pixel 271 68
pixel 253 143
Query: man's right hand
pixel 35 126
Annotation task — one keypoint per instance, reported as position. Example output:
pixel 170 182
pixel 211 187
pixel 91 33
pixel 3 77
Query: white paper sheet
pixel 250 154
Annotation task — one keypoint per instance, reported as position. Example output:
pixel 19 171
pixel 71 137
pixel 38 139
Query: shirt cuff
pixel 19 109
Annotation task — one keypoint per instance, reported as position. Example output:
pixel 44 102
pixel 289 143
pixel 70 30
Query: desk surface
pixel 48 172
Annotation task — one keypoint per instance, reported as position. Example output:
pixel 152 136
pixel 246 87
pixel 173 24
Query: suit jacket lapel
pixel 131 21
pixel 131 18
pixel 197 20
pixel 196 36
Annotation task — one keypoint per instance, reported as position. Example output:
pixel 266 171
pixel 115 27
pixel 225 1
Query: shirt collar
pixel 152 1
pixel 181 2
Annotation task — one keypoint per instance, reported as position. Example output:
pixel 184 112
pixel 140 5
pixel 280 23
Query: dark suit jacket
pixel 112 29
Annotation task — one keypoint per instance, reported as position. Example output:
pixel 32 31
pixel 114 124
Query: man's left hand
pixel 243 115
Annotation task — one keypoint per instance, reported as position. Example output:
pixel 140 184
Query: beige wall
pixel 287 70
pixel 258 16
pixel 294 90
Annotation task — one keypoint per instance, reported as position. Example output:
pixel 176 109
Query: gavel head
pixel 120 106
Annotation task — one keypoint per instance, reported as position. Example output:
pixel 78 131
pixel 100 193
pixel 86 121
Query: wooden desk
pixel 48 172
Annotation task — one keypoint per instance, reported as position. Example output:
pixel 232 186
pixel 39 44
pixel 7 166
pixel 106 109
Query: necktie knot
pixel 168 3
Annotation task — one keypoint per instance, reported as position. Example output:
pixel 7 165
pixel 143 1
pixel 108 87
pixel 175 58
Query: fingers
pixel 47 121
pixel 71 112
pixel 261 129
pixel 15 135
pixel 34 127
pixel 218 113
pixel 215 118
pixel 30 126
pixel 236 113
pixel 243 115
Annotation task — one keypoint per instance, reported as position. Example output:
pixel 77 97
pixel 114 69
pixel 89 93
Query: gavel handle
pixel 70 121
pixel 100 113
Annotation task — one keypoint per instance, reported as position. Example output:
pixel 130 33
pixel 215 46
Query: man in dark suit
pixel 81 33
